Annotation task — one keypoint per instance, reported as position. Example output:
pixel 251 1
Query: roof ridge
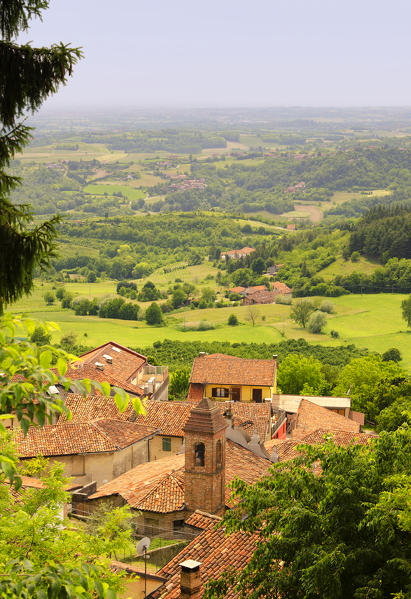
pixel 103 433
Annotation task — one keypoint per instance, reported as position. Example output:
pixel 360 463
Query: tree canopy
pixel 333 524
pixel 28 76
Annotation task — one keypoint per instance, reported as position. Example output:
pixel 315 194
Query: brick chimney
pixel 190 579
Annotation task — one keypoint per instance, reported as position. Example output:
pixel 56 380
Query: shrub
pixel 283 299
pixel 232 320
pixel 355 256
pixel 40 336
pixel 316 322
pixel 49 297
pixel 392 354
pixel 327 306
pixel 334 334
pixel 153 314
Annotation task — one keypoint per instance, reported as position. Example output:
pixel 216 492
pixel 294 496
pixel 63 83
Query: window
pixel 166 444
pixel 178 524
pixel 199 454
pixel 220 392
pixel 219 453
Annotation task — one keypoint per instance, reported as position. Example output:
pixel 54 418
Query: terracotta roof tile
pixel 80 370
pixel 94 407
pixel 80 437
pixel 125 362
pixel 311 417
pixel 281 287
pixel 168 416
pixel 221 369
pixel 217 552
pixel 202 520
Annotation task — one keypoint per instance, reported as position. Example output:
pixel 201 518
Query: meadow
pixel 371 321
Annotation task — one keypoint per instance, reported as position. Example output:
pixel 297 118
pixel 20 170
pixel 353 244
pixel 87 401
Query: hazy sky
pixel 150 53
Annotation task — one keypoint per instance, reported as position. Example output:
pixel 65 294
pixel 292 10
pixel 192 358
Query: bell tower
pixel 204 478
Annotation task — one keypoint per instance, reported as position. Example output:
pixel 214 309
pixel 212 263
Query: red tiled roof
pixel 236 289
pixel 168 416
pixel 256 288
pixel 217 552
pixel 159 486
pixel 311 417
pixel 125 362
pixel 80 370
pixel 202 520
pixel 281 287
pixel 95 407
pixel 133 486
pixel 339 437
pixel 221 369
pixel 261 296
pixel 80 437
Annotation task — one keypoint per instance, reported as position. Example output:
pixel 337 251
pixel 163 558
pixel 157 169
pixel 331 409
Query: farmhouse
pixel 222 377
pixel 262 296
pixel 282 289
pixel 237 254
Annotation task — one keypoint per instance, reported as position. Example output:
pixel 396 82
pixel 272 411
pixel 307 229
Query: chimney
pixel 190 579
pixel 99 366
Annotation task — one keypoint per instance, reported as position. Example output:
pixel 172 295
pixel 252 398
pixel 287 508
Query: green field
pixel 369 321
pixel 346 267
pixel 101 188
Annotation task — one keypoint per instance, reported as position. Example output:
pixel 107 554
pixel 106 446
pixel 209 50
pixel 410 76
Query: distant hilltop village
pixel 172 464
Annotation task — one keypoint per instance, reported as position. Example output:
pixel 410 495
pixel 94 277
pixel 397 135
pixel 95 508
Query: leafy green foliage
pixel 406 310
pixel 179 384
pixel 298 374
pixel 41 555
pixel 301 311
pixel 366 379
pixel 341 533
pixel 383 233
pixel 30 75
pixel 153 315
pixel 316 322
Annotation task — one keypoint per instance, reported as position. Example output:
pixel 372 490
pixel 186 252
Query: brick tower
pixel 204 478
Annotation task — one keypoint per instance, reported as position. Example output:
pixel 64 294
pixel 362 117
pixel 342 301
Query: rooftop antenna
pixel 142 548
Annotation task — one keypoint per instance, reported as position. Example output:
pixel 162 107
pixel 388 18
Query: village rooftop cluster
pixel 172 464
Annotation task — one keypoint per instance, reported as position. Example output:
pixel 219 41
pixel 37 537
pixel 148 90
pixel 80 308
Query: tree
pixel 232 320
pixel 252 314
pixel 40 336
pixel 91 277
pixel 208 295
pixel 179 384
pixel 406 310
pixel 342 533
pixel 316 322
pixel 300 374
pixel 149 292
pixel 28 76
pixel 32 530
pixel 154 314
pixel 258 266
pixel 178 298
pixel 49 297
pixel 367 380
pixel 393 354
pixel 301 311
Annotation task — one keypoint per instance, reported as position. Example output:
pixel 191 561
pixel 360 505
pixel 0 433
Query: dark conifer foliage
pixel 27 77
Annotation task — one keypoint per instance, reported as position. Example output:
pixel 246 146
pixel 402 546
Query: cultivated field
pixel 369 321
